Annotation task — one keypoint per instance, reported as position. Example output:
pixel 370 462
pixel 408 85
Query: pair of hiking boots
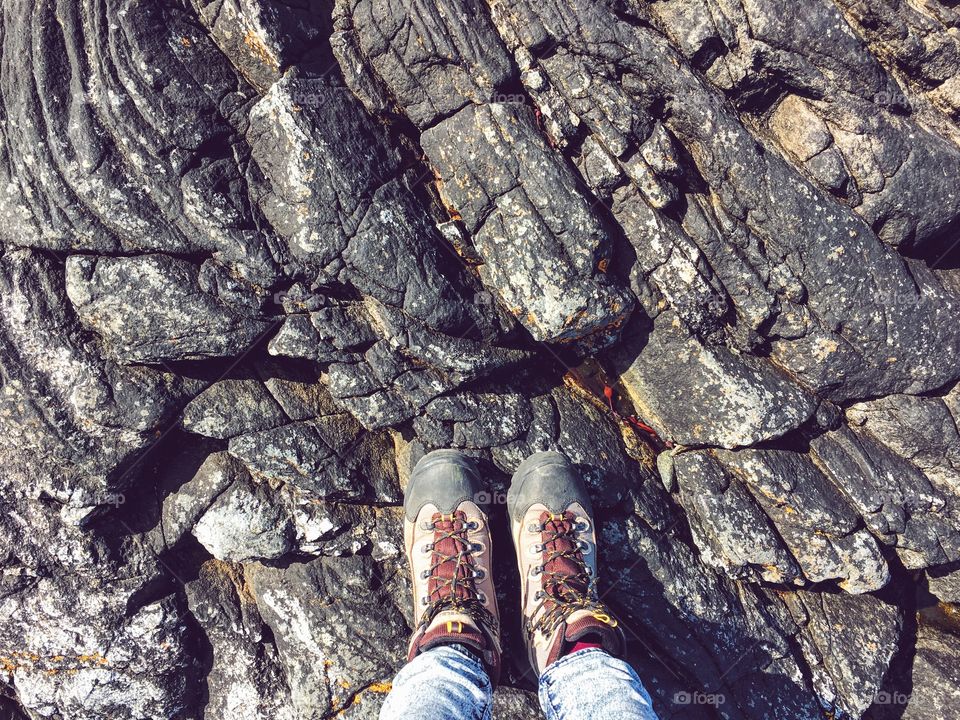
pixel 448 546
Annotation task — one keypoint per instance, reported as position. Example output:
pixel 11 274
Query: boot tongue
pixel 453 621
pixel 453 626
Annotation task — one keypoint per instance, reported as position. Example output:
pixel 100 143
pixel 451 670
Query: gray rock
pixel 328 457
pixel 544 249
pixel 257 257
pixel 724 398
pixel 812 517
pixel 459 59
pixel 338 631
pixel 944 584
pixel 80 419
pixel 184 507
pixel 831 624
pixel 896 500
pixel 919 429
pixel 232 407
pixel 109 295
pixel 245 522
pixel 934 680
pixel 67 636
pixel 246 679
pixel 728 526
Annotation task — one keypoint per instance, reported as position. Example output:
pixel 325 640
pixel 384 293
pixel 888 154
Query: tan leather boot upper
pixel 449 549
pixel 556 544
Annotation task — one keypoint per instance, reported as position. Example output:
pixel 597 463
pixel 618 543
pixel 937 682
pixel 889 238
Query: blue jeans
pixel 449 683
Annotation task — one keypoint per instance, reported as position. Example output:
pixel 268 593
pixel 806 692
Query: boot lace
pixel 567 582
pixel 453 572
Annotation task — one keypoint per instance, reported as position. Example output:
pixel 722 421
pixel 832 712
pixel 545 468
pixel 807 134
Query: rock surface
pixel 257 257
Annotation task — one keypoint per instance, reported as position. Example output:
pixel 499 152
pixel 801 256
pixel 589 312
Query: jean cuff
pixel 464 650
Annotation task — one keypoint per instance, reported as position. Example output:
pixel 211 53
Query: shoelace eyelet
pixel 534 527
pixel 476 547
pixel 582 525
pixel 473 525
pixel 539 594
pixel 479 574
pixel 427 548
pixel 535 549
pixel 427 525
pixel 536 570
pixel 482 598
pixel 425 575
pixel 584 546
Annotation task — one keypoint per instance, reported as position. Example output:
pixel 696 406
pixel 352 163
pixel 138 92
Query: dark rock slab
pixel 831 625
pixel 338 629
pixel 434 58
pixel 730 529
pixel 246 679
pixel 109 295
pixel 232 407
pixel 696 394
pixel 245 522
pixel 544 249
pixel 896 500
pixel 80 634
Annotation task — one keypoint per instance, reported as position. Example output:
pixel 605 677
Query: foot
pixel 447 540
pixel 556 544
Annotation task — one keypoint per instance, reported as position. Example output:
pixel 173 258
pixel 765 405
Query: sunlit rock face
pixel 257 257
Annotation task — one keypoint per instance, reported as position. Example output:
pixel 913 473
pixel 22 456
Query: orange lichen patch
pixel 381 688
pixel 444 200
pixel 575 317
pixel 603 265
pixel 14 660
pixel 185 41
pixel 260 49
pixel 951 611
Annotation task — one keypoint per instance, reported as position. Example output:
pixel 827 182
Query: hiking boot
pixel 553 532
pixel 447 540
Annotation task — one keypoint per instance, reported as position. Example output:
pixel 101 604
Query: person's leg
pixel 453 659
pixel 573 639
pixel 446 682
pixel 591 684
